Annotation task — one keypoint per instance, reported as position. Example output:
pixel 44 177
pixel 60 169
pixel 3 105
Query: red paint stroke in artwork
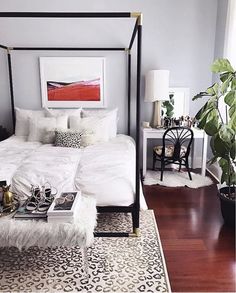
pixel 74 91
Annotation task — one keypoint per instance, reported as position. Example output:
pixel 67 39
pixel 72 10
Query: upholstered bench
pixel 28 233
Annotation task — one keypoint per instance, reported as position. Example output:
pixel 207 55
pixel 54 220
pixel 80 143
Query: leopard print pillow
pixel 70 139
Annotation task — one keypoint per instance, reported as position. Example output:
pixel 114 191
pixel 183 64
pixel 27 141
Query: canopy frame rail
pixel 136 33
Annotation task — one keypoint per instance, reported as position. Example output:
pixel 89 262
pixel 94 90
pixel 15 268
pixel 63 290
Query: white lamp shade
pixel 157 86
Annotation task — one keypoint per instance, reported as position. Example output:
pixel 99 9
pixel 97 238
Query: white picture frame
pixel 72 82
pixel 181 101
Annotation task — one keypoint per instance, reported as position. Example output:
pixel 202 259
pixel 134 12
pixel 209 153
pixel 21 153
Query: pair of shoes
pixel 41 198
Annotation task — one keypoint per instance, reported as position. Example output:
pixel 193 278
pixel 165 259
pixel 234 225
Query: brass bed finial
pixel 139 16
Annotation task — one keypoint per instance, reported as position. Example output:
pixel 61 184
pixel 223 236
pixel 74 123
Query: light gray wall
pixel 177 35
pixel 220 28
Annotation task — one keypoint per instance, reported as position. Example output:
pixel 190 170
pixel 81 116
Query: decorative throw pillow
pixel 94 129
pixel 22 120
pixel 49 135
pixel 62 112
pixel 70 139
pixel 111 115
pixel 40 126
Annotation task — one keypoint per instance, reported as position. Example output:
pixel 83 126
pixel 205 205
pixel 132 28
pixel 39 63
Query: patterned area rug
pixel 113 264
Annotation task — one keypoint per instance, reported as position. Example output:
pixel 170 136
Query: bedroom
pixel 183 37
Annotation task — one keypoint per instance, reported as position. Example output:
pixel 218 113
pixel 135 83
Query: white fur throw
pixel 27 233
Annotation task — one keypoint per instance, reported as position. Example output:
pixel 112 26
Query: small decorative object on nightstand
pixel 3 133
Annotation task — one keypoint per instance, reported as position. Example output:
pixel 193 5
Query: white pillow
pixel 93 129
pixel 22 120
pixel 60 112
pixel 38 127
pixel 111 115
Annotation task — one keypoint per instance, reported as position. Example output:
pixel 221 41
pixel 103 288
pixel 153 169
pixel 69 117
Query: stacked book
pixel 23 214
pixel 63 208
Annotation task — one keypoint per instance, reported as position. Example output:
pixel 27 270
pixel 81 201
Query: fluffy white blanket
pixel 175 179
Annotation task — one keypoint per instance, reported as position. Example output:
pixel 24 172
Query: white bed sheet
pixel 105 171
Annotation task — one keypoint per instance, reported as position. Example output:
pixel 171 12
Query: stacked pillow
pixel 22 120
pixel 67 127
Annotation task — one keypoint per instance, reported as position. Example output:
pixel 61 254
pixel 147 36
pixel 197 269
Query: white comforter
pixel 105 171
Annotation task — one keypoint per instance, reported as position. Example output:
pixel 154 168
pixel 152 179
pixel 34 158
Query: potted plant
pixel 222 130
pixel 167 110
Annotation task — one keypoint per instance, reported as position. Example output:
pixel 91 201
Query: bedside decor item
pixel 145 124
pixel 69 82
pixel 157 90
pixel 219 122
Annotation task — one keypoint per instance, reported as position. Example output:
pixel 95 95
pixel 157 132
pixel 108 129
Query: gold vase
pixel 7 199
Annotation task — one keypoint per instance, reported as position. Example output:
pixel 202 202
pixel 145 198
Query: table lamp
pixel 157 90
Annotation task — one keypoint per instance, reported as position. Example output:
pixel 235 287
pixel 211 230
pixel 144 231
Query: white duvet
pixel 105 171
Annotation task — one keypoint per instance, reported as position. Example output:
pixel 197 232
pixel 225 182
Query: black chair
pixel 175 148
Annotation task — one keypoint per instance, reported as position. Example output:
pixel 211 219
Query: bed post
pixel 11 88
pixel 129 88
pixel 137 181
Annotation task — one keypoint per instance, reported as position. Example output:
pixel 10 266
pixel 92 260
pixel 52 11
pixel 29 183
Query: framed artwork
pixel 71 82
pixel 180 98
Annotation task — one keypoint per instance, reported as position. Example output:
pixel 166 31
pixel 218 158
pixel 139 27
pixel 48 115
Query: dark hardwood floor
pixel 199 249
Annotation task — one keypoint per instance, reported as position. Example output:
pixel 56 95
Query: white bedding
pixel 105 171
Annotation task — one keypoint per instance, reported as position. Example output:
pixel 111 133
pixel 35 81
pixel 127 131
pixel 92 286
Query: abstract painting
pixel 69 82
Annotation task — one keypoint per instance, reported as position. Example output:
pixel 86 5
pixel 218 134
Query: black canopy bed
pixel 137 31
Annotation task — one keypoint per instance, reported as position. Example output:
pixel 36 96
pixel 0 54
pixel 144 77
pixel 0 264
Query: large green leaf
pixel 221 65
pixel 232 110
pixel 213 90
pixel 203 119
pixel 233 150
pixel 228 173
pixel 232 121
pixel 201 112
pixel 224 76
pixel 225 84
pixel 212 123
pixel 213 102
pixel 220 147
pixel 227 135
pixel 198 96
pixel 233 83
pixel 224 164
pixel 212 144
pixel 230 98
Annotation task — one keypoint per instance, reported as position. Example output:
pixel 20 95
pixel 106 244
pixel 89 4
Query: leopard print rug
pixel 110 265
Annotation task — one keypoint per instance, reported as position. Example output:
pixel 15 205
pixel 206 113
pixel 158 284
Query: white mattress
pixel 105 171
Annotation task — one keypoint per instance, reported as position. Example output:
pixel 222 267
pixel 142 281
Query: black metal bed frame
pixel 137 31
